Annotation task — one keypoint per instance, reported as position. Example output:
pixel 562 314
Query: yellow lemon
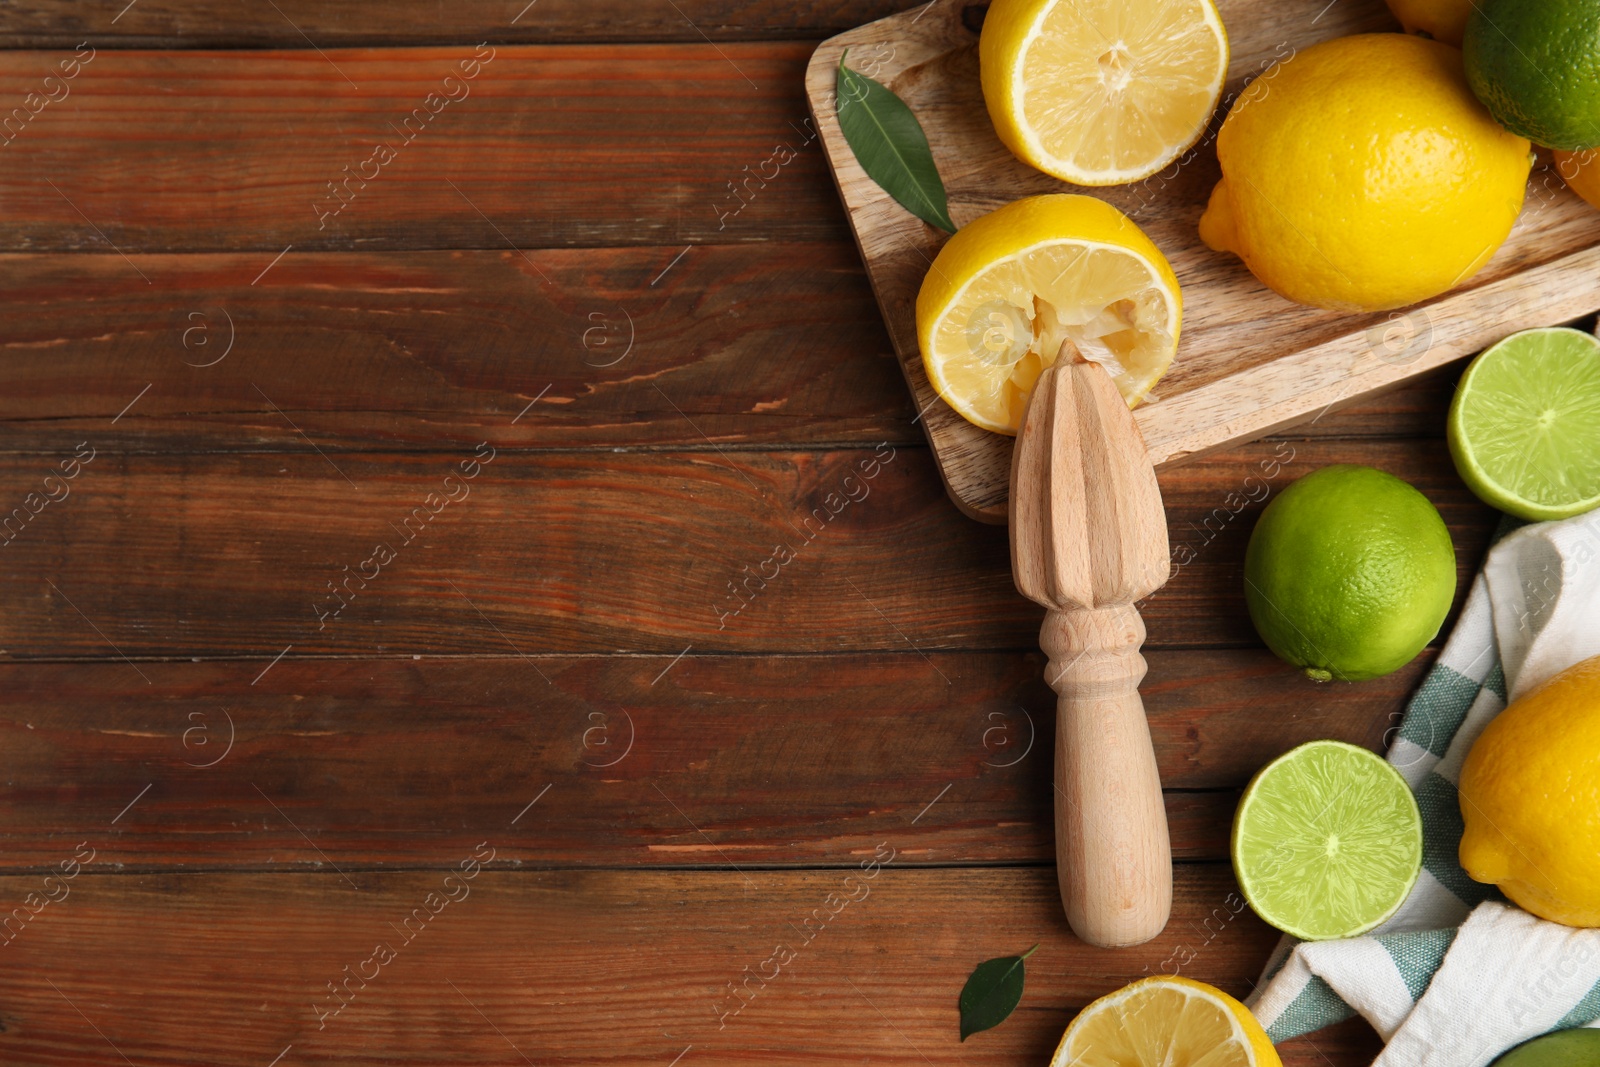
pixel 1165 1022
pixel 1098 92
pixel 1443 20
pixel 1362 174
pixel 1530 796
pixel 1013 289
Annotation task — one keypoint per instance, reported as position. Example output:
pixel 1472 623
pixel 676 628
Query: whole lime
pixel 1564 1048
pixel 1349 573
pixel 1535 64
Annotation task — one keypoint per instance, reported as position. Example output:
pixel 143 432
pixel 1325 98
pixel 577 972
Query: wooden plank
pixel 633 761
pixel 552 552
pixel 543 146
pixel 735 344
pixel 438 350
pixel 576 968
pixel 372 23
pixel 1233 380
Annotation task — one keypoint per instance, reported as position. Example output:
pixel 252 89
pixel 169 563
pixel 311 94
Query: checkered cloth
pixel 1457 976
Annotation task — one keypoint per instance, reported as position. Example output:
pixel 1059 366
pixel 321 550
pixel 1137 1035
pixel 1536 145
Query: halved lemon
pixel 1015 288
pixel 1100 92
pixel 1165 1022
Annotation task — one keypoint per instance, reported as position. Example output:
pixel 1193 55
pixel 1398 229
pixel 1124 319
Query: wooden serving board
pixel 1249 362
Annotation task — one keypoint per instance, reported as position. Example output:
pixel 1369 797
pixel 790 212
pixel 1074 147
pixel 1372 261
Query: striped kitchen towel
pixel 1457 976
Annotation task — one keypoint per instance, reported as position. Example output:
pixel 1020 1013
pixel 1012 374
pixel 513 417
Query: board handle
pixel 1113 858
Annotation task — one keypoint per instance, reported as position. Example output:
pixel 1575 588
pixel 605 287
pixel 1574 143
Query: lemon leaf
pixel 992 992
pixel 889 144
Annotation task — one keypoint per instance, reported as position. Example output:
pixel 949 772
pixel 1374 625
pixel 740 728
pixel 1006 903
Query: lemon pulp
pixel 1165 1022
pixel 1099 92
pixel 1524 426
pixel 1327 841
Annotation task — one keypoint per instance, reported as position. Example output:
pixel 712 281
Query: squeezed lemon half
pixel 1014 289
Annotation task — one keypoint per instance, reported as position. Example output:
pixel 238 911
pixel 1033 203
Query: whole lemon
pixel 1349 573
pixel 1443 20
pixel 1581 172
pixel 1530 797
pixel 1362 174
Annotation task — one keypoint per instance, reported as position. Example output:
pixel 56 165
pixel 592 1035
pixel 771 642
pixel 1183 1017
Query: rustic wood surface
pixel 301 23
pixel 814 368
pixel 552 664
pixel 577 551
pixel 734 744
pixel 547 146
pixel 578 967
pixel 1232 381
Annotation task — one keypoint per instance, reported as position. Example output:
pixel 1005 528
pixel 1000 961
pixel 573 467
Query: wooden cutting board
pixel 1249 362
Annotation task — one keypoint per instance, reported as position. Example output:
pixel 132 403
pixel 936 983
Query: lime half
pixel 1327 841
pixel 1525 424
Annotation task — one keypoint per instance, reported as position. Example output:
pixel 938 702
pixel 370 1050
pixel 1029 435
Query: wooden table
pixel 492 604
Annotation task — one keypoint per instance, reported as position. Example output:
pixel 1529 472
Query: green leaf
pixel 890 146
pixel 992 992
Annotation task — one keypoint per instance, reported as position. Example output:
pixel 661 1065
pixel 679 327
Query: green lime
pixel 1327 841
pixel 1535 64
pixel 1349 573
pixel 1564 1048
pixel 1525 424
